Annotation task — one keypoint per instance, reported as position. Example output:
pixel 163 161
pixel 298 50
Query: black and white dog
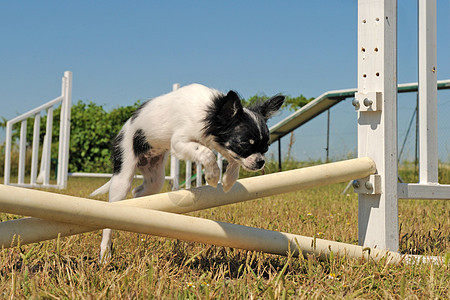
pixel 191 122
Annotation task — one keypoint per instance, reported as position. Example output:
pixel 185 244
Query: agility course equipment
pixel 63 150
pixel 129 215
pixel 184 201
pixel 326 101
pixel 376 106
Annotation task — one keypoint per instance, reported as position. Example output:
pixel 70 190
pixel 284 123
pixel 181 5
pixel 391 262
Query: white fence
pixel 43 180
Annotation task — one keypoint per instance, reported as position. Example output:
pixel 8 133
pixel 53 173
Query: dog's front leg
pixel 231 175
pixel 196 152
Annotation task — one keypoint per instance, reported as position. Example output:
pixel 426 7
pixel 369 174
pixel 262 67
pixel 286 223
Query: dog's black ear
pixel 271 106
pixel 231 105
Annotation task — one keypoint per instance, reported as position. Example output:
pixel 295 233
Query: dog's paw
pixel 228 182
pixel 227 186
pixel 212 175
pixel 105 255
pixel 230 177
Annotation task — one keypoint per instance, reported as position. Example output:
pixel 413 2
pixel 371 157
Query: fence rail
pixel 43 179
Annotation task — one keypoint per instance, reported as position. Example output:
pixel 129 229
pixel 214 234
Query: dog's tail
pixel 101 190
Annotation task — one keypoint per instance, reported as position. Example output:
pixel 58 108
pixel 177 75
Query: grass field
pixel 151 267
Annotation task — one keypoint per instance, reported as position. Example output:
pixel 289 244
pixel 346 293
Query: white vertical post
pixel 35 149
pixel 188 174
pixel 428 150
pixel 376 102
pixel 175 162
pixel 64 130
pixel 174 172
pixel 47 148
pixel 68 105
pixel 220 164
pixel 22 151
pixel 198 179
pixel 8 153
pixel 59 166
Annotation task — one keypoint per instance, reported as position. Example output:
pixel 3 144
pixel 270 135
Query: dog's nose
pixel 260 163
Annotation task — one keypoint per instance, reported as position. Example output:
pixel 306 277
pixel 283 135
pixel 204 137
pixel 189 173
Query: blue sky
pixel 122 51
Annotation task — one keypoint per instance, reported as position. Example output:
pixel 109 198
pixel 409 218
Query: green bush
pixel 91 131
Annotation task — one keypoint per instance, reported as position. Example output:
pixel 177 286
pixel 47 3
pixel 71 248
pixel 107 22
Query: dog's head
pixel 241 132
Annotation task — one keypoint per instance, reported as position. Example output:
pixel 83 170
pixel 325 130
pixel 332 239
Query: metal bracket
pixel 370 101
pixel 370 185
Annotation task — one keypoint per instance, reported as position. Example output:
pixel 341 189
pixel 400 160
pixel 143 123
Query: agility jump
pixel 158 214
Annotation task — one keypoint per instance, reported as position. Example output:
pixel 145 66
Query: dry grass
pixel 152 267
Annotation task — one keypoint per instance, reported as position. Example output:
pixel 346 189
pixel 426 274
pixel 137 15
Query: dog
pixel 191 123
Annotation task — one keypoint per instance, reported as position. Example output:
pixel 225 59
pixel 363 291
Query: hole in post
pixel 377 19
pixel 364 75
pixel 376 49
pixel 377 74
pixel 363 49
pixel 364 21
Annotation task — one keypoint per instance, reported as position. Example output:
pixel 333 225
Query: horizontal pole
pixel 36 110
pixel 103 175
pixel 431 191
pixel 327 100
pixel 170 225
pixel 34 230
pixel 35 185
pixel 96 175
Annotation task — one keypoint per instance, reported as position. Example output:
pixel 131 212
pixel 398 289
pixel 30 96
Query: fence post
pixel 35 149
pixel 376 103
pixel 47 149
pixel 22 151
pixel 64 130
pixel 8 153
pixel 188 174
pixel 199 177
pixel 428 151
pixel 174 161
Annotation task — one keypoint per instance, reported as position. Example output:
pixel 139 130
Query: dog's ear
pixel 231 106
pixel 271 106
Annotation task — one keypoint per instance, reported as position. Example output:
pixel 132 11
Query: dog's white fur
pixel 174 122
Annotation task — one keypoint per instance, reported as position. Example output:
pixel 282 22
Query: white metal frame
pixel 63 151
pixel 376 103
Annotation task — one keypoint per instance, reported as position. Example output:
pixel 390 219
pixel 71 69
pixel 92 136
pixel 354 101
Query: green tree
pixel 291 103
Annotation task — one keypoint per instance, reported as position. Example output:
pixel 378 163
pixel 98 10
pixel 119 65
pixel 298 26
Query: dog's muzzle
pixel 254 162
